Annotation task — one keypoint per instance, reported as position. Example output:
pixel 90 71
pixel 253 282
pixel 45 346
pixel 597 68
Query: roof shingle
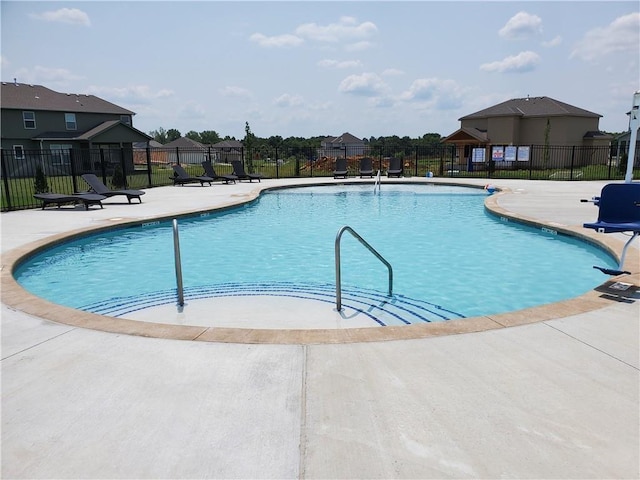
pixel 22 96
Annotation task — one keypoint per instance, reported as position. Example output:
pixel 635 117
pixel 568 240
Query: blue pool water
pixel 450 259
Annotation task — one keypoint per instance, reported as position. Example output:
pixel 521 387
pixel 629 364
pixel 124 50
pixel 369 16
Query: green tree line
pixel 210 137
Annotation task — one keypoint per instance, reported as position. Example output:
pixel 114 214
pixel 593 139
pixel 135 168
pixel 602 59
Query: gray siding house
pixel 42 126
pixel 337 146
pixel 528 121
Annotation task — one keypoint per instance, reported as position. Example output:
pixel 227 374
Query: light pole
pixel 634 123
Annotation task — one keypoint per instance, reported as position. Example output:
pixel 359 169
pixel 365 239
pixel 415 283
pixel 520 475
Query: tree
pixel 249 141
pixel 173 134
pixel 209 137
pixel 193 135
pixel 40 184
pixel 159 135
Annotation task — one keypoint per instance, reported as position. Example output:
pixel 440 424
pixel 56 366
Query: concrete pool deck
pixel 556 398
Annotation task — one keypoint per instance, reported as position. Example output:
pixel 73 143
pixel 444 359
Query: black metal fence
pixel 60 170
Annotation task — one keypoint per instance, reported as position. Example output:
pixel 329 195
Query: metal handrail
pixel 176 254
pixel 377 183
pixel 347 228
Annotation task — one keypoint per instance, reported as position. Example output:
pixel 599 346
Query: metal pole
pixel 634 124
pixel 176 251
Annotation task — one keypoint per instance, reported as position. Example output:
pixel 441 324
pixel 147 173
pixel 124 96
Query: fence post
pixel 453 153
pixel 5 179
pixel 103 168
pixel 148 149
pixel 178 155
pixel 72 159
pixel 416 169
pixel 573 154
pixel 277 164
pixel 123 166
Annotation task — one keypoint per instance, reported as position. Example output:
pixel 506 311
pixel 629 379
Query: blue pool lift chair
pixel 619 212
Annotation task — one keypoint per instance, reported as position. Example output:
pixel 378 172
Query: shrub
pixel 40 184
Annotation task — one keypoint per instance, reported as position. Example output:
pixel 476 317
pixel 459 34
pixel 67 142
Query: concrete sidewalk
pixel 553 399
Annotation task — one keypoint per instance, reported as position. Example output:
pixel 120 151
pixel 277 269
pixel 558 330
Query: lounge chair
pixel 238 171
pixel 96 186
pixel 58 199
pixel 210 172
pixel 366 167
pixel 181 177
pixel 341 170
pixel 619 211
pixel 395 167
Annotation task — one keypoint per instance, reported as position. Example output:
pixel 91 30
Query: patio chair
pixel 366 167
pixel 96 186
pixel 181 177
pixel 619 211
pixel 395 167
pixel 209 171
pixel 87 199
pixel 342 170
pixel 238 171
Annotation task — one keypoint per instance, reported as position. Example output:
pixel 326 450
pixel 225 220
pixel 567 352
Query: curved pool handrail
pixel 347 228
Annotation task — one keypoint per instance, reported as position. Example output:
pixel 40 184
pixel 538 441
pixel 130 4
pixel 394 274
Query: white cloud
pixel 346 28
pixel 192 110
pixel 522 62
pixel 392 72
pixel 73 16
pixel 236 92
pixel 287 100
pixel 521 25
pixel 327 63
pixel 286 40
pixel 46 75
pixel 443 94
pixel 4 63
pixel 137 94
pixel 621 35
pixel 365 84
pixel 358 46
pixel 554 42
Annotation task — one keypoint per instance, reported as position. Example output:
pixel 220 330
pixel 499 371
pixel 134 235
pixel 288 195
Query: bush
pixel 117 181
pixel 40 184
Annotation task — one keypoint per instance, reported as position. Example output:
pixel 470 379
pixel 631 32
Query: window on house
pixel 60 154
pixel 18 152
pixel 70 121
pixel 126 119
pixel 29 119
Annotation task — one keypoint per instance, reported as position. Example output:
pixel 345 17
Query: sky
pixel 306 69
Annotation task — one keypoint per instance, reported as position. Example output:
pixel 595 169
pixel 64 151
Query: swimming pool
pixel 450 258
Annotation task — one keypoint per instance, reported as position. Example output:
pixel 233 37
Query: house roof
pixel 467 134
pixel 344 138
pixel 531 107
pixel 22 96
pixel 152 144
pixel 184 142
pixel 90 134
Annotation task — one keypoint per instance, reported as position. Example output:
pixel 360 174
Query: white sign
pixel 523 154
pixel 478 155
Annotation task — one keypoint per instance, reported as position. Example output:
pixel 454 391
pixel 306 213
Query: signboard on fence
pixel 510 154
pixel 478 155
pixel 523 154
pixel 497 154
